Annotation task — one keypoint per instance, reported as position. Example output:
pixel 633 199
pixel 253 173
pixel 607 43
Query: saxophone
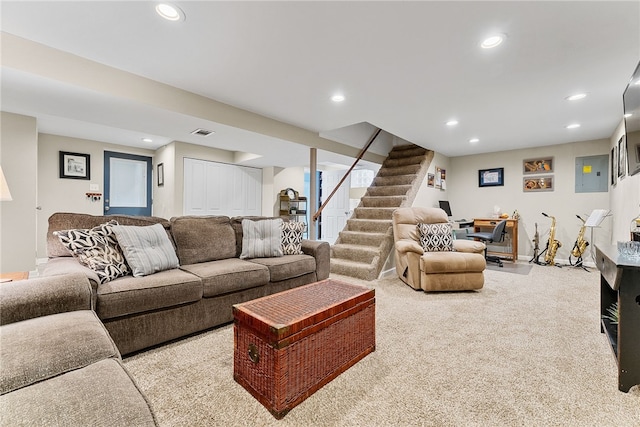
pixel 552 243
pixel 580 245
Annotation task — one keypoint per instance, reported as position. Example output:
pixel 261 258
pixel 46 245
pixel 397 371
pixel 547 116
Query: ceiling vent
pixel 202 132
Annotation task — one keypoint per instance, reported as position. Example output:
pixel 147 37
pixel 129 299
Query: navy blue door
pixel 127 184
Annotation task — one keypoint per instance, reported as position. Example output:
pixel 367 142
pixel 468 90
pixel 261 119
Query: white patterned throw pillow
pixel 147 249
pixel 261 239
pixel 292 232
pixel 98 249
pixel 436 237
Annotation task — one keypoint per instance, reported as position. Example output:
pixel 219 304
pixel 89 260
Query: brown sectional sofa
pixel 60 367
pixel 140 312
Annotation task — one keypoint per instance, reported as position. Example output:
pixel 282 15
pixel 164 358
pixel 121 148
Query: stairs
pixel 364 245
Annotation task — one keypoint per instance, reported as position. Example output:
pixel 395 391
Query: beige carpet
pixel 524 351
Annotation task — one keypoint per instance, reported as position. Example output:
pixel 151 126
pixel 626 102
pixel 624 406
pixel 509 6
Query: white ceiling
pixel 407 67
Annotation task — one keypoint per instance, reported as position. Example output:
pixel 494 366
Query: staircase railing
pixel 316 215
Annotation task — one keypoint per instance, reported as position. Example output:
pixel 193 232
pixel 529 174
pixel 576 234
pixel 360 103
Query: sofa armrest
pixel 321 251
pixel 404 246
pixel 27 299
pixel 470 246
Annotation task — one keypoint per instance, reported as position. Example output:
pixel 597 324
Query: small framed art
pixel 491 177
pixel 75 165
pixel 160 174
pixel 430 179
pixel 538 183
pixel 537 165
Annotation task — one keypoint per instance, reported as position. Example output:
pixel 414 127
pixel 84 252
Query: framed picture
pixel 614 163
pixel 75 165
pixel 430 179
pixel 491 177
pixel 633 153
pixel 538 165
pixel 438 182
pixel 622 157
pixel 160 174
pixel 538 183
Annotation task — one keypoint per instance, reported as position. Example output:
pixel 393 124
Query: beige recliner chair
pixel 457 270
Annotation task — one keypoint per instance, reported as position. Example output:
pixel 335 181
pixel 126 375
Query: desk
pixel 488 224
pixel 14 277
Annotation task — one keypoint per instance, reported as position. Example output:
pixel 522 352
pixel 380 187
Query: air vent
pixel 202 132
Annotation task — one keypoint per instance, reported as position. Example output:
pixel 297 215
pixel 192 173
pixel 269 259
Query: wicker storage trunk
pixel 288 345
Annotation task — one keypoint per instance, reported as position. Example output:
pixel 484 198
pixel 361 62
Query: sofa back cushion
pixel 67 220
pixel 405 221
pixel 203 238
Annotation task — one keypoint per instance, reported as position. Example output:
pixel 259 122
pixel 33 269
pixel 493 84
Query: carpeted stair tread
pixel 394 180
pixel 357 253
pixel 382 201
pixel 399 170
pixel 409 151
pixel 361 238
pixel 388 190
pixel 368 225
pixel 373 213
pixel 402 161
pixel 355 269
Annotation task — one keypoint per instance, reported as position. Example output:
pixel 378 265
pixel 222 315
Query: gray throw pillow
pixel 261 239
pixel 147 249
pixel 436 237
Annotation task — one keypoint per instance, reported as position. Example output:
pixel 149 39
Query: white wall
pixel 18 151
pixel 624 198
pixel 287 178
pixel 468 200
pixel 57 194
pixel 429 196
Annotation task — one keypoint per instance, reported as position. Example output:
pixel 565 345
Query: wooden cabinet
pixel 620 283
pixel 511 239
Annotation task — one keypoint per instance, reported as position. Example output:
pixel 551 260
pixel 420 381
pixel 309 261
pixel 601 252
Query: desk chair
pixel 497 235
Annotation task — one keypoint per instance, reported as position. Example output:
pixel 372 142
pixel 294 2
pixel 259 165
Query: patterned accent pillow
pixel 292 237
pixel 261 239
pixel 147 249
pixel 98 249
pixel 436 237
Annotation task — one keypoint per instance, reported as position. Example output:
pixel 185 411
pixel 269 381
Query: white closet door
pixel 212 188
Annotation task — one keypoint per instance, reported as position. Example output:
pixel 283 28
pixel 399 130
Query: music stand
pixel 594 220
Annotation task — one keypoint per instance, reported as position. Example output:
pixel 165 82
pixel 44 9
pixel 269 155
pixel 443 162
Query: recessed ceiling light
pixel 493 41
pixel 576 97
pixel 474 140
pixel 573 126
pixel 452 122
pixel 170 12
pixel 147 140
pixel 338 97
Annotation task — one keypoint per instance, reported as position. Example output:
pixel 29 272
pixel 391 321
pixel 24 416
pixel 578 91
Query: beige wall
pixel 429 196
pixel 57 194
pixel 469 201
pixel 18 154
pixel 624 198
pixel 287 178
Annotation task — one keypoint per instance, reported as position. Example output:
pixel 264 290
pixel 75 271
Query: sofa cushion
pixel 288 266
pixel 261 239
pixel 67 220
pixel 203 238
pixel 436 237
pixel 147 249
pixel 229 275
pixel 37 349
pixel 100 394
pixel 292 233
pixel 131 295
pixel 236 223
pixel 451 262
pixel 98 249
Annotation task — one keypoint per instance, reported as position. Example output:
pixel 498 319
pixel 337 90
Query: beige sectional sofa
pixel 140 312
pixel 60 367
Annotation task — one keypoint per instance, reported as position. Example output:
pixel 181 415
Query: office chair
pixel 497 235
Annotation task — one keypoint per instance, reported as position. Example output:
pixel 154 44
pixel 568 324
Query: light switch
pixel 94 187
